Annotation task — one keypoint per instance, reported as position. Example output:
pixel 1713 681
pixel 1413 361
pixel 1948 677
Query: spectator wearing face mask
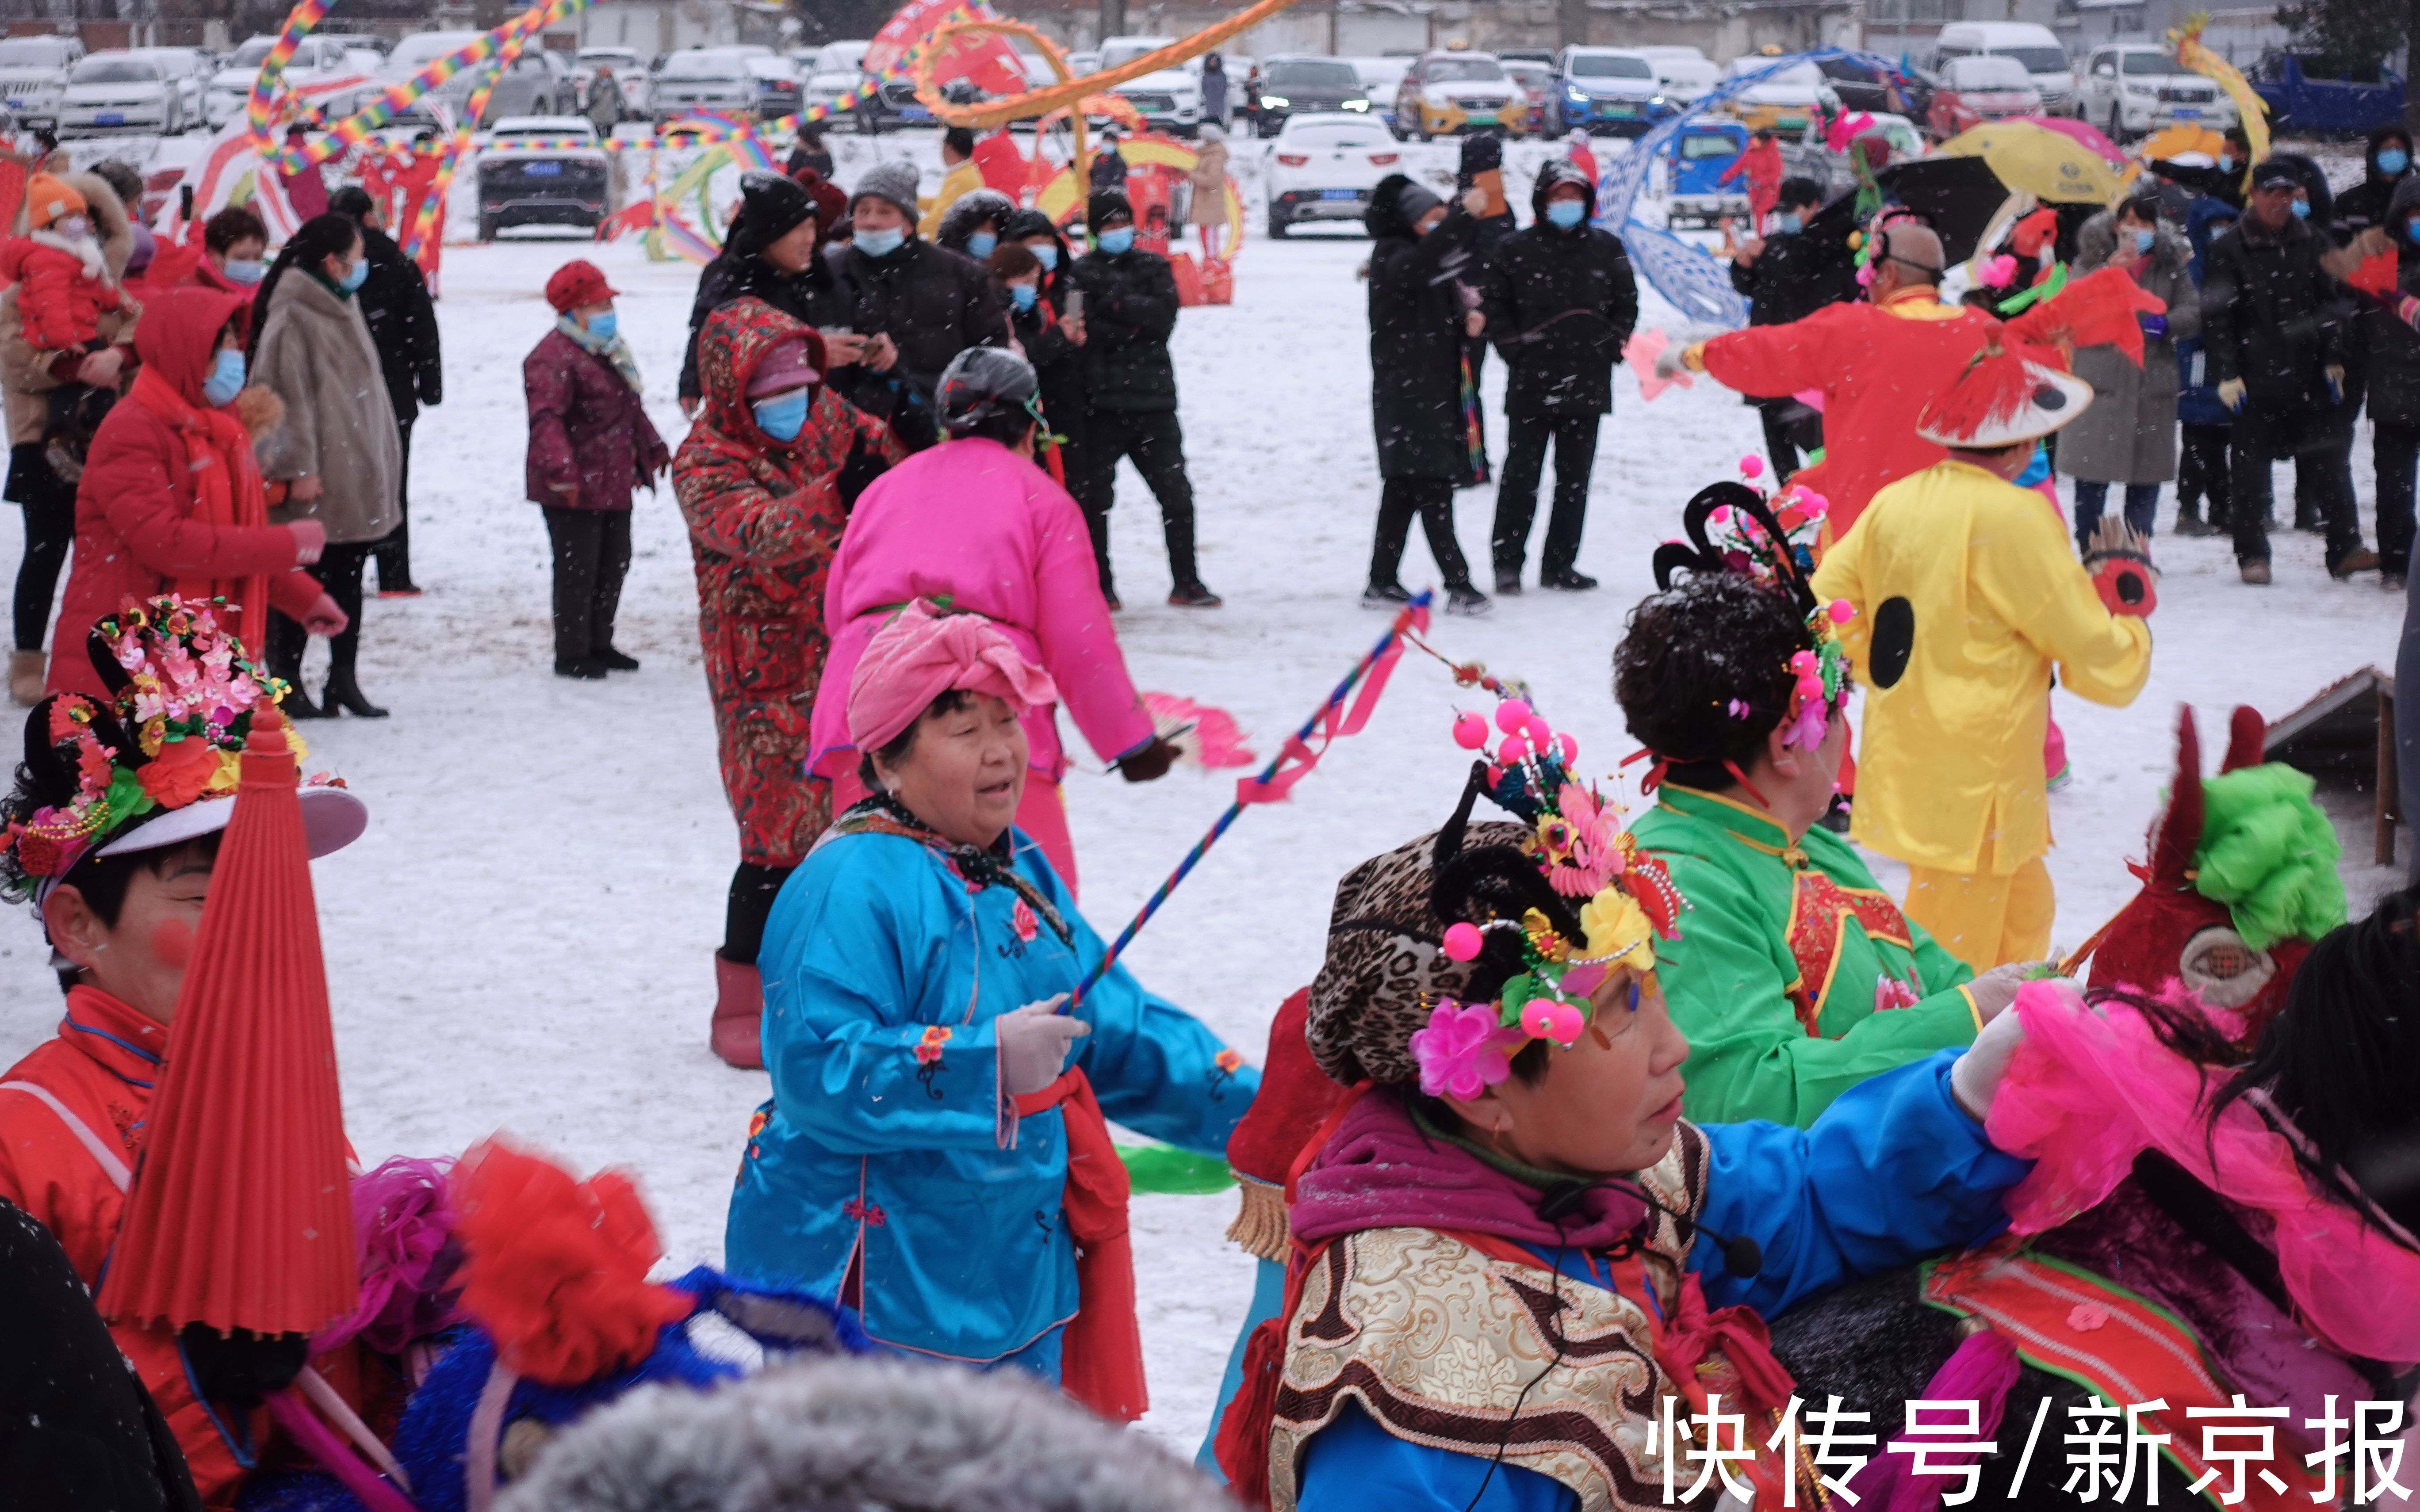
pixel 2274 325
pixel 54 392
pixel 2386 166
pixel 1559 301
pixel 2203 423
pixel 2394 389
pixel 916 305
pixel 2129 435
pixel 1787 275
pixel 970 226
pixel 1053 339
pixel 770 254
pixel 234 244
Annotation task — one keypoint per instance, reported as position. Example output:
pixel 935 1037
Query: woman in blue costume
pixel 1512 1249
pixel 915 1158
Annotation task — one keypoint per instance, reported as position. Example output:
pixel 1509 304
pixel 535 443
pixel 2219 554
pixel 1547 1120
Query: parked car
pixel 1875 91
pixel 355 41
pixel 314 58
pixel 1693 163
pixel 1979 87
pixel 191 67
pixel 715 79
pixel 1451 94
pixel 629 71
pixel 1323 168
pixel 2034 46
pixel 2349 107
pixel 1682 73
pixel 1305 85
pixel 34 75
pixel 1608 90
pixel 832 70
pixel 528 174
pixel 535 83
pixel 1169 99
pixel 1381 78
pixel 2130 89
pixel 118 92
pixel 1525 54
pixel 1786 101
pixel 1537 81
pixel 780 91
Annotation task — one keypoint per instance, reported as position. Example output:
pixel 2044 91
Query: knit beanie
pixel 1099 209
pixel 771 205
pixel 48 199
pixel 893 182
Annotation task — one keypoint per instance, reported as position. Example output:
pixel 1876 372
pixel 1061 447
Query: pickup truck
pixel 2301 103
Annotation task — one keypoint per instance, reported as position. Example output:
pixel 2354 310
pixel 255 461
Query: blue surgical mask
pixel 2412 229
pixel 226 377
pixel 980 245
pixel 2143 239
pixel 1788 224
pixel 356 274
pixel 246 269
pixel 602 327
pixel 880 243
pixel 2393 161
pixel 1118 243
pixel 2302 210
pixel 2227 163
pixel 1023 295
pixel 783 418
pixel 1047 255
pixel 2036 469
pixel 1567 213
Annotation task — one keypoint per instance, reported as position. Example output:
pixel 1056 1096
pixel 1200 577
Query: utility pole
pixel 1572 21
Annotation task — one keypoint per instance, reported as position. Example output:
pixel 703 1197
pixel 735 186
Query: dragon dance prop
pixel 1292 763
pixel 2250 108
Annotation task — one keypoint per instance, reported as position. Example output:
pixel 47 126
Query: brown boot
pixel 26 669
pixel 738 1032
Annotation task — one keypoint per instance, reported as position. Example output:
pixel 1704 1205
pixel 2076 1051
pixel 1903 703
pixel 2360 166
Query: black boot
pixel 344 692
pixel 286 641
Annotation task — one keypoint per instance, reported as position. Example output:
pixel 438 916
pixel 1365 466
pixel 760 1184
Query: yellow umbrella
pixel 2047 164
pixel 2173 141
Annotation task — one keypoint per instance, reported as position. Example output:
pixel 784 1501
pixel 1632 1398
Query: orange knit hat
pixel 48 199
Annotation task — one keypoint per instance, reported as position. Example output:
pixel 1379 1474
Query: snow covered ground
pixel 522 942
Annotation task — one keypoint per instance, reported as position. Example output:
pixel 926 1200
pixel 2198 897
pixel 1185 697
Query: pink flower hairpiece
pixel 1465 1050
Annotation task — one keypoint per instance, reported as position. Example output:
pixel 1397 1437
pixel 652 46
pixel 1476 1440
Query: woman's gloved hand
pixel 1033 1041
pixel 1996 989
pixel 324 618
pixel 1974 1076
pixel 1149 763
pixel 2230 393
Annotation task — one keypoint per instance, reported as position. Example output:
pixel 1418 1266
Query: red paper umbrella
pixel 239 1216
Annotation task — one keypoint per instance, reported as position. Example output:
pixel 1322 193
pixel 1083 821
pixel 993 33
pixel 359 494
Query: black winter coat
pixel 1416 339
pixel 1058 363
pixel 807 296
pixel 1559 304
pixel 2395 346
pixel 403 326
pixel 2364 204
pixel 1795 275
pixel 2270 316
pixel 1129 310
pixel 933 303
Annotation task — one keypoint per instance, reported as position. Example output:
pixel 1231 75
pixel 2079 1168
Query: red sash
pixel 1101 1353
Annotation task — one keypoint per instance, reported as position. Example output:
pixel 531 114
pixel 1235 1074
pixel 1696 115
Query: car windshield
pixel 1988 72
pixel 1126 52
pixel 1601 67
pixel 2036 59
pixel 1336 136
pixel 702 66
pixel 114 70
pixel 1313 78
pixel 2148 63
pixel 1463 70
pixel 1719 144
pixel 416 53
pixel 33 52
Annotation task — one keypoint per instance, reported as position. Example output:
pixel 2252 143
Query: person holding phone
pixel 770 253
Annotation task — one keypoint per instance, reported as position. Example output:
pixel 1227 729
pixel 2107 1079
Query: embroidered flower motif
pixel 1228 1061
pixel 1021 919
pixel 2084 1316
pixel 928 1049
pixel 1889 993
pixel 864 1212
pixel 1465 1050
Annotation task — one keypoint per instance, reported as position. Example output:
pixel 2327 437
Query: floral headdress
pixel 1590 902
pixel 1734 529
pixel 169 736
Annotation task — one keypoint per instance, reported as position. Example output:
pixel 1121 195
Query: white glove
pixel 1996 989
pixel 1669 365
pixel 1033 1041
pixel 1974 1076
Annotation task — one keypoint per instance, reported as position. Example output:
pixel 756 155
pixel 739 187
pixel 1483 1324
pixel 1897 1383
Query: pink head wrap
pixel 922 655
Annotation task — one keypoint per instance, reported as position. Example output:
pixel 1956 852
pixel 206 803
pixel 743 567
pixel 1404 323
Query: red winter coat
pixel 586 427
pixel 135 531
pixel 62 301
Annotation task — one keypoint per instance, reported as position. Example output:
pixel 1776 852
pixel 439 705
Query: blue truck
pixel 2347 107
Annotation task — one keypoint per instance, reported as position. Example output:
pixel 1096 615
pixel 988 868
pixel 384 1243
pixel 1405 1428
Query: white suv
pixel 2131 89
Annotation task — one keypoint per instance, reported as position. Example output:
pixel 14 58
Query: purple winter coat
pixel 586 427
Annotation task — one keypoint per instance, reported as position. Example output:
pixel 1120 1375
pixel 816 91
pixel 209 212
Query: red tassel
pixel 1243 1442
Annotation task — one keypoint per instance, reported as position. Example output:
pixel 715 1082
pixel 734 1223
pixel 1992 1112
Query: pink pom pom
pixel 1567 749
pixel 1840 610
pixel 1541 734
pixel 1752 467
pixel 1512 714
pixel 1803 662
pixel 1814 504
pixel 1513 752
pixel 1720 515
pixel 1463 942
pixel 1470 731
pixel 1543 1018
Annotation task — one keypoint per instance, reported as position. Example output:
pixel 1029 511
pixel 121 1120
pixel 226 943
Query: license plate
pixel 1624 111
pixel 1482 117
pixel 16 104
pixel 2187 113
pixel 110 118
pixel 1339 194
pixel 541 170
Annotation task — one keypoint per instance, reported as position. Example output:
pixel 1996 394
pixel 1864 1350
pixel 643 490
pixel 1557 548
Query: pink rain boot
pixel 737 1033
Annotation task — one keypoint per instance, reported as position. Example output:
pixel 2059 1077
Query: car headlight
pixel 1274 101
pixel 1575 94
pixel 1356 104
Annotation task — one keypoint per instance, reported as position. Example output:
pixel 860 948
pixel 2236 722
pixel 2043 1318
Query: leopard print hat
pixel 1386 968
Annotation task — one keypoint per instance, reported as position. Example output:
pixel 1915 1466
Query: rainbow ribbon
pixel 522 27
pixel 1269 786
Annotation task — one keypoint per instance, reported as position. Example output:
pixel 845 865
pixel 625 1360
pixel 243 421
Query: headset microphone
pixel 1742 1256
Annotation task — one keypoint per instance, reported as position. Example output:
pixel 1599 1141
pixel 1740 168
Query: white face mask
pixel 72 227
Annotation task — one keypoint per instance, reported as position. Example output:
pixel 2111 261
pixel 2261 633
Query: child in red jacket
pixel 67 285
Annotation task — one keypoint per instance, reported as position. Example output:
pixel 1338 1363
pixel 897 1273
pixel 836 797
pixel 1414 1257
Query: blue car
pixel 1609 91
